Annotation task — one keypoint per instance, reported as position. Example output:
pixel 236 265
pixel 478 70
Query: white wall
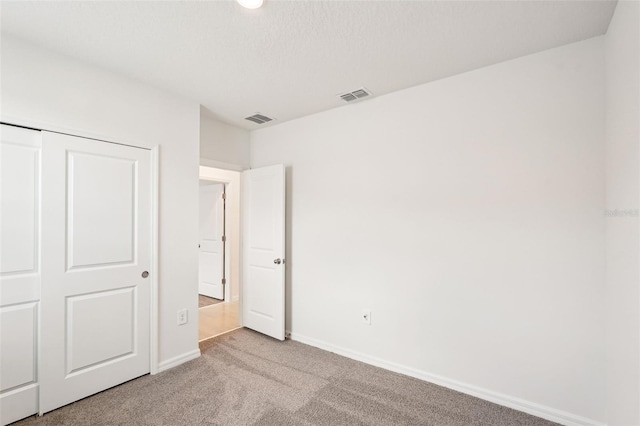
pixel 44 88
pixel 222 145
pixel 467 214
pixel 622 184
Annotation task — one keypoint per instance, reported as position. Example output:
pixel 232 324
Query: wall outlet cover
pixel 183 316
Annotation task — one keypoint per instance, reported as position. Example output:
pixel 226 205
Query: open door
pixel 263 250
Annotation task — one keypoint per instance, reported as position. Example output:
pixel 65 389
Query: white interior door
pixel 263 287
pixel 20 271
pixel 211 269
pixel 96 238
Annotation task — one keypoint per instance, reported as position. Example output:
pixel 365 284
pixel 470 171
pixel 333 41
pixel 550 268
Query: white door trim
pixel 220 165
pixel 154 340
pixel 233 258
pixel 212 250
pixel 155 188
pixel 83 133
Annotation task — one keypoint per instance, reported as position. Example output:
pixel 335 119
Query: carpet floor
pixel 206 301
pixel 245 378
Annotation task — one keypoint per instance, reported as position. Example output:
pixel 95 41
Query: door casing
pixel 211 271
pixel 231 180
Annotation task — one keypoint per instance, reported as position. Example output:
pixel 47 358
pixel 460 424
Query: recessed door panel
pixel 18 350
pixel 20 199
pixel 264 293
pixel 209 272
pixel 97 333
pixel 101 193
pixel 263 224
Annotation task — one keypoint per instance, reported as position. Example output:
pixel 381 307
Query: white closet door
pixel 20 271
pixel 263 286
pixel 96 248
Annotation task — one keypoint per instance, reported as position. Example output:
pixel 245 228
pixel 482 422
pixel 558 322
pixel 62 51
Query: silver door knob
pixel 145 274
pixel 277 261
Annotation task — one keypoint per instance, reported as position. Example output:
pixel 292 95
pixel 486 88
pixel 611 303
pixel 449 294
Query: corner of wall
pixel 223 145
pixel 622 176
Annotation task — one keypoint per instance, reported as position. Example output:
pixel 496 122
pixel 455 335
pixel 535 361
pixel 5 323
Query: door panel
pixel 87 207
pixel 211 244
pixel 20 169
pixel 97 236
pixel 111 334
pixel 264 296
pixel 19 271
pixel 18 349
pixel 263 291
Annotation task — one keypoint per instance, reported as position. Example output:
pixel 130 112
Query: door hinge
pixel 224 238
pixel 224 281
pixel 224 195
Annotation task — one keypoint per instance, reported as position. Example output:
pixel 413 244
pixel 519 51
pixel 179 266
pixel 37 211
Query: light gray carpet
pixel 245 378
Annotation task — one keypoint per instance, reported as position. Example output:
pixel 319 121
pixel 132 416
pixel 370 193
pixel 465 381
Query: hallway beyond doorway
pixel 206 301
pixel 217 319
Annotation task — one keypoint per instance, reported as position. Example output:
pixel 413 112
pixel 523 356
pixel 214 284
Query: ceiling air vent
pixel 259 118
pixel 355 95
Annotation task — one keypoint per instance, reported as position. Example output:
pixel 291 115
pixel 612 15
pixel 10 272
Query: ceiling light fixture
pixel 250 4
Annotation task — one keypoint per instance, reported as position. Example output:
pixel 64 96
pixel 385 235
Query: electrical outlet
pixel 366 316
pixel 183 316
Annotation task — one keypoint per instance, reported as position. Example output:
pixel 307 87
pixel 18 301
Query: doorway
pixel 219 270
pixel 211 274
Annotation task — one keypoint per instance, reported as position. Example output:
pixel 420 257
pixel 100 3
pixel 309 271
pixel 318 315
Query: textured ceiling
pixel 291 58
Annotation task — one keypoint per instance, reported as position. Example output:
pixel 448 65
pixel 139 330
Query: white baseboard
pixel 519 404
pixel 177 360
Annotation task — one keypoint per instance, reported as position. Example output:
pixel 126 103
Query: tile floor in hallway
pixel 217 319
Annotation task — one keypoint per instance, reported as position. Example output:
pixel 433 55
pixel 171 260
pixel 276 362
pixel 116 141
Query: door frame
pixel 154 360
pixel 225 246
pixel 233 249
